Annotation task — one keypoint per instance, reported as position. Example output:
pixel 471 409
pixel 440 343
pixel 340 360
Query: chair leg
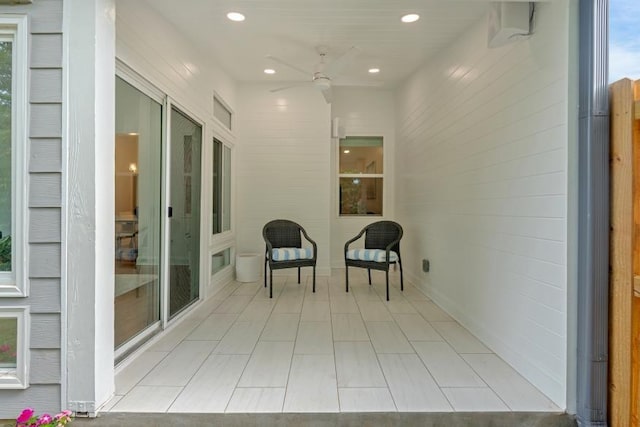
pixel 401 279
pixel 387 284
pixel 270 283
pixel 265 272
pixel 298 275
pixel 369 271
pixel 314 279
pixel 346 273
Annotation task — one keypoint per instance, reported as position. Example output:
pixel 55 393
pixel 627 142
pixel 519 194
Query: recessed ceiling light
pixel 269 71
pixel 346 151
pixel 411 17
pixel 235 16
pixel 374 70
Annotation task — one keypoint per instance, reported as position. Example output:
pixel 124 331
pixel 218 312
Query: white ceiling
pixel 291 30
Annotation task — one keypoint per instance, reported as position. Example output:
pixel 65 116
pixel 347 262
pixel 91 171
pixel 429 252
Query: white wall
pixel 283 155
pixel 154 48
pixel 361 112
pixel 157 51
pixel 481 191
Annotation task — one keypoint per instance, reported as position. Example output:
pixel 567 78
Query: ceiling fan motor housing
pixel 321 81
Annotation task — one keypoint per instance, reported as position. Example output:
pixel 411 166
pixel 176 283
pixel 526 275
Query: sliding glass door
pixel 158 153
pixel 184 247
pixel 138 146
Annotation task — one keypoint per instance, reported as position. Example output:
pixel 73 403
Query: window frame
pixel 360 176
pixel 17 378
pixel 217 99
pixel 224 266
pixel 14 283
pixel 224 182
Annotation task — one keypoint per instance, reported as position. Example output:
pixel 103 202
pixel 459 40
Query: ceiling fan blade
pixel 327 95
pixel 293 67
pixel 357 83
pixel 290 86
pixel 334 68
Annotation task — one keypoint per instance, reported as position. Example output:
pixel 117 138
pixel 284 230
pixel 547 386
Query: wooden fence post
pixel 624 308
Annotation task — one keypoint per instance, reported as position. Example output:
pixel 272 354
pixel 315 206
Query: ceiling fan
pixel 324 73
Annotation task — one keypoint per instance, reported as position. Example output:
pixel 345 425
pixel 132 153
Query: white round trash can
pixel 247 267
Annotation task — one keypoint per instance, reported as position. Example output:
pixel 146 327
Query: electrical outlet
pixel 425 265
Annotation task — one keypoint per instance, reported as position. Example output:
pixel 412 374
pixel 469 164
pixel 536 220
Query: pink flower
pixel 26 414
pixel 44 419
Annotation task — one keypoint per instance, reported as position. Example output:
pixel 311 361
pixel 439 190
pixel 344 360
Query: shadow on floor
pixel 497 419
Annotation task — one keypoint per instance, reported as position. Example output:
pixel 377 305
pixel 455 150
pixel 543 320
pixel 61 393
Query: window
pixel 221 187
pixel 220 260
pixel 221 112
pixel 13 166
pixel 13 347
pixel 360 175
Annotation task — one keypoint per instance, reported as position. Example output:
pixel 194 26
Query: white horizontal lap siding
pixel 150 45
pixel 44 206
pixel 481 191
pixel 283 164
pixel 156 50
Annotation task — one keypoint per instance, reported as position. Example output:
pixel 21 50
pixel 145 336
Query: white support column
pixel 88 244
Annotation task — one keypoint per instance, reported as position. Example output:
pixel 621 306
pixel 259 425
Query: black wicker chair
pixel 383 235
pixel 282 233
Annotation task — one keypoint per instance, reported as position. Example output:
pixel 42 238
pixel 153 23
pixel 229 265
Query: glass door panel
pixel 184 247
pixel 138 143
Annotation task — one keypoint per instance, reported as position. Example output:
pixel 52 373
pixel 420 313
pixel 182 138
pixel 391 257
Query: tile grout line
pixel 333 292
pixel 333 345
pixel 293 353
pixel 235 388
pixel 393 399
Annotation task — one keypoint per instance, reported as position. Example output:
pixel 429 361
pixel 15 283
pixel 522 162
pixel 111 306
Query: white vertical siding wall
pixel 283 165
pixel 361 112
pixel 482 191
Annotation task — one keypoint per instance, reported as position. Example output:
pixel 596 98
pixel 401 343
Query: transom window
pixel 361 175
pixel 221 112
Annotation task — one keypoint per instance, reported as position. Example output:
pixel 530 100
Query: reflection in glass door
pixel 184 247
pixel 138 143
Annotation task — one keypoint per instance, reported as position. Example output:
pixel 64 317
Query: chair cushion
pixel 377 255
pixel 290 254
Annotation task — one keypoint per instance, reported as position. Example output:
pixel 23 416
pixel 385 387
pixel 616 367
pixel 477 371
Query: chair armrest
pixel 346 245
pixel 313 243
pixel 390 245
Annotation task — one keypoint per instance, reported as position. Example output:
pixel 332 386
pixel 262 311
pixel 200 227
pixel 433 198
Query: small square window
pixel 360 176
pixel 220 260
pixel 13 347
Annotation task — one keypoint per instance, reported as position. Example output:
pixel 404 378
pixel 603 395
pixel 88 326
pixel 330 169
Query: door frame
pixel 136 80
pixel 133 78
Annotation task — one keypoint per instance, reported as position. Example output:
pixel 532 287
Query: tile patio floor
pixel 241 352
